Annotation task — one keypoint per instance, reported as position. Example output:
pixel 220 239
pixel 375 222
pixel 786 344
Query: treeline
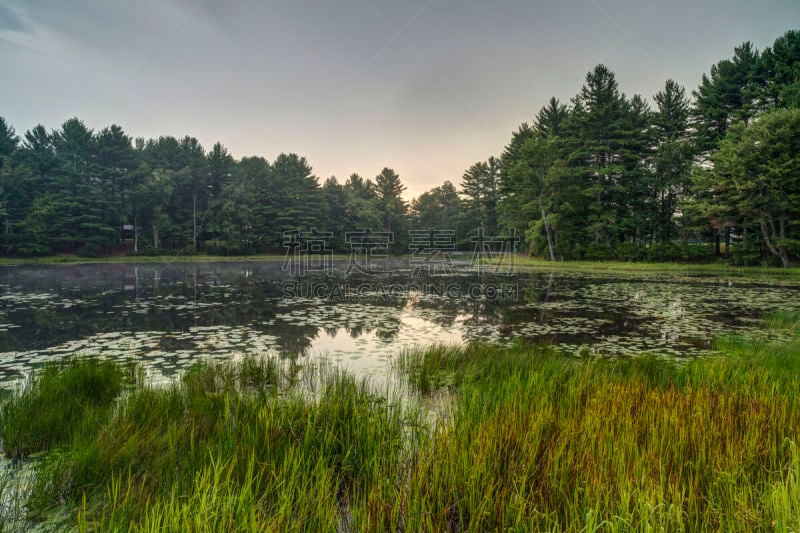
pixel 77 190
pixel 610 177
pixel 603 176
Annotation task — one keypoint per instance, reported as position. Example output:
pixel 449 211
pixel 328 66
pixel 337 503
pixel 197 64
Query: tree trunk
pixel 599 210
pixel 135 235
pixel 768 230
pixel 547 232
pixel 155 236
pixel 727 241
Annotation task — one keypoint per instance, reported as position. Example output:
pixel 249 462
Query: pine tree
pixel 728 93
pixel 780 71
pixel 754 177
pixel 8 141
pixel 550 118
pixel 673 157
pixel 362 207
pixel 480 186
pixel 389 190
pixel 295 200
pixel 596 135
pixel 115 158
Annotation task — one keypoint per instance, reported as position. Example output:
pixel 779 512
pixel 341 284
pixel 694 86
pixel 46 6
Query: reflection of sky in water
pixel 169 315
pixel 369 354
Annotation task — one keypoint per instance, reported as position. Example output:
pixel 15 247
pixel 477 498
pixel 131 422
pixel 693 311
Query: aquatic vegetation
pixel 166 316
pixel 257 441
pixel 59 403
pixel 544 442
pixel 489 438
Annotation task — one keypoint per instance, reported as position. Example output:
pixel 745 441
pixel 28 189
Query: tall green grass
pixel 548 443
pixel 524 439
pixel 59 403
pixel 247 445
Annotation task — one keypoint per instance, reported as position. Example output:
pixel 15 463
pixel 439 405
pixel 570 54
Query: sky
pixel 427 87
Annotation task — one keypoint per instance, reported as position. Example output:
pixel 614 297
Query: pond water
pixel 168 315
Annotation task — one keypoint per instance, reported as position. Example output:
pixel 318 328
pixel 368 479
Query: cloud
pixel 10 20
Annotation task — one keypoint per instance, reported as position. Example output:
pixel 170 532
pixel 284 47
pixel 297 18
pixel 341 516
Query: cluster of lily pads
pixel 224 311
pixel 160 353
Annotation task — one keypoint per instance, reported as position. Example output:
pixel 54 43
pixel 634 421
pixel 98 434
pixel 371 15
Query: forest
pixel 693 176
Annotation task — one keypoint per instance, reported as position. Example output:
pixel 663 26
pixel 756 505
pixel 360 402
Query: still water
pixel 168 315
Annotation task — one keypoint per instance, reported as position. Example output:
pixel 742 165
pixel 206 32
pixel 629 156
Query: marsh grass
pixel 530 440
pixel 555 444
pixel 244 445
pixel 719 267
pixel 59 402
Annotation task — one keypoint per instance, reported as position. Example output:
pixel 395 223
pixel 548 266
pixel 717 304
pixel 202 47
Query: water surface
pixel 168 315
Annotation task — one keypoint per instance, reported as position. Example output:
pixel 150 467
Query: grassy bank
pixel 521 262
pixel 489 438
pixel 721 267
pixel 137 259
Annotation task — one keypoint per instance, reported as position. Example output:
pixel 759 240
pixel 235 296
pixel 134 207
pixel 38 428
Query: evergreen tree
pixel 255 175
pixel 8 141
pixel 755 175
pixel 780 72
pixel 480 187
pixel 596 139
pixel 334 208
pixel 728 93
pixel 673 157
pixel 82 221
pixel 115 158
pixel 362 205
pixel 222 190
pixel 532 185
pixel 439 208
pixel 295 203
pixel 550 118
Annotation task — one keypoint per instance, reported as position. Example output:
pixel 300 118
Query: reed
pixel 524 439
pixel 58 403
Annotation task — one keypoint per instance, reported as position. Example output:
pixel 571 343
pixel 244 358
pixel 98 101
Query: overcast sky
pixel 425 87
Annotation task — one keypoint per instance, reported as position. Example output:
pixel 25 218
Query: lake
pixel 168 315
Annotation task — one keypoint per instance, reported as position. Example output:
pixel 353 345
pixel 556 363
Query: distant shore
pixel 521 262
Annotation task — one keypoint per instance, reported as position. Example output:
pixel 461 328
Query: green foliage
pixel 489 438
pixel 617 180
pixel 594 177
pixel 755 177
pixel 58 404
pixel 440 208
pixel 393 208
pixel 480 189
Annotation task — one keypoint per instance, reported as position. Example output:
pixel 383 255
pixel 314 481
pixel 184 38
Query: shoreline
pixel 520 262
